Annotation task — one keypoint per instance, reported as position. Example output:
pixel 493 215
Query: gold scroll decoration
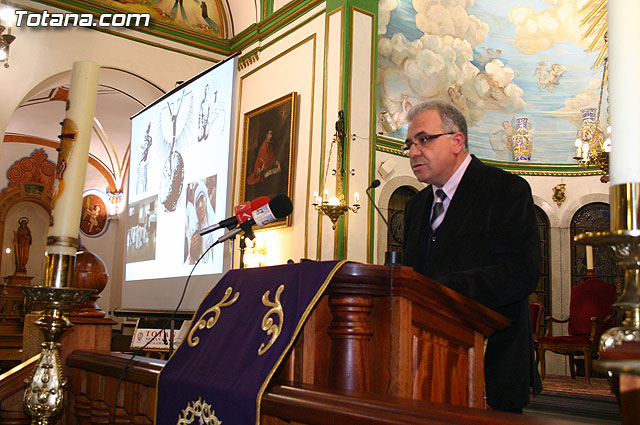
pixel 198 409
pixel 268 324
pixel 211 321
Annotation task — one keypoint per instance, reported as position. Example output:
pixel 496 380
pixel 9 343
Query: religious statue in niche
pixel 22 243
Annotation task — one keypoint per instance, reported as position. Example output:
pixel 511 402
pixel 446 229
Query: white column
pixel 624 90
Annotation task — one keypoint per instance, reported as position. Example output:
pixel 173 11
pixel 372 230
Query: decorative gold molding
pixel 249 60
pixel 268 324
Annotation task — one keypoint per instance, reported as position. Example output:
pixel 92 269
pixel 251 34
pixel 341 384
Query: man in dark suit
pixel 480 238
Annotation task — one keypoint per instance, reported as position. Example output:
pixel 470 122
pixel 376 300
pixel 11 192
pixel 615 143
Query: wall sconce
pixel 6 22
pixel 335 206
pixel 591 145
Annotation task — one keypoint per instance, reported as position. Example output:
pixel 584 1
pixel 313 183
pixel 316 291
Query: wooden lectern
pixel 437 338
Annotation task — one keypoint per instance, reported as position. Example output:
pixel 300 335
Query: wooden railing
pixel 12 391
pixel 95 377
pixel 95 381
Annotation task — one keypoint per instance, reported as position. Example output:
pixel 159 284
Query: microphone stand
pixel 242 245
pixel 391 258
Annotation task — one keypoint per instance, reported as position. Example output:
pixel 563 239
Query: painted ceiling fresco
pixel 201 16
pixel 496 61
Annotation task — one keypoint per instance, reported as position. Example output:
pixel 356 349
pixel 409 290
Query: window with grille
pixel 395 216
pixel 593 217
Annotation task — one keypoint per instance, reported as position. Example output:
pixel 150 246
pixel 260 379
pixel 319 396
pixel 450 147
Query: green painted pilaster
pixel 267 9
pixel 345 96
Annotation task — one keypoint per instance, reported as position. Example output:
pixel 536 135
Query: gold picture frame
pixel 268 151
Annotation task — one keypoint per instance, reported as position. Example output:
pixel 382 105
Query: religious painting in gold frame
pixel 94 216
pixel 268 151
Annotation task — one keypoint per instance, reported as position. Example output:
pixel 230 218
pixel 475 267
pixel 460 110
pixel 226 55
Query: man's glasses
pixel 423 140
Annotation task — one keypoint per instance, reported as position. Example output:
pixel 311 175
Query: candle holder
pixel 592 146
pixel 44 395
pixel 602 161
pixel 624 241
pixel 334 210
pixel 336 206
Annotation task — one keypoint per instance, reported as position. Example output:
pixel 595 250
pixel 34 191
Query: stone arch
pixel 384 196
pixel 573 207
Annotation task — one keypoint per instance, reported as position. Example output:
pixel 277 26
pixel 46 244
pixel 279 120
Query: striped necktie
pixel 438 209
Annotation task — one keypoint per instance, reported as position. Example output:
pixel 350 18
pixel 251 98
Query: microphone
pixel 391 258
pixel 242 210
pixel 279 207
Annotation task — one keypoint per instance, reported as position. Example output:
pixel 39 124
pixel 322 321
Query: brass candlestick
pixel 44 395
pixel 624 241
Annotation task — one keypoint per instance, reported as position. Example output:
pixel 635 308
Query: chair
pixel 535 309
pixel 590 314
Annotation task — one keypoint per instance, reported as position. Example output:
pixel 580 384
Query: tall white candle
pixel 624 90
pixel 589 257
pixel 73 155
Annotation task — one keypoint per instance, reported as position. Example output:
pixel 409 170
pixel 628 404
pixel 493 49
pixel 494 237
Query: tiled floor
pixel 564 398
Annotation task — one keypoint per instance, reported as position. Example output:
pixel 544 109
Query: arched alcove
pixel 383 200
pixel 593 217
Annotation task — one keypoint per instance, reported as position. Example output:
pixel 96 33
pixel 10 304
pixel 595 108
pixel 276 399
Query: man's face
pixel 435 162
pixel 201 209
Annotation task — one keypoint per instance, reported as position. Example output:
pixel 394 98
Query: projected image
pixel 180 158
pixel 143 162
pixel 204 116
pixel 200 213
pixel 141 231
pixel 175 121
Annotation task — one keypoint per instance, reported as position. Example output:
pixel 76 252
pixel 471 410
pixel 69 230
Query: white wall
pixel 292 63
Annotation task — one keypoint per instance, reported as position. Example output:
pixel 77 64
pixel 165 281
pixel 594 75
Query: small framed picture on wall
pixel 268 151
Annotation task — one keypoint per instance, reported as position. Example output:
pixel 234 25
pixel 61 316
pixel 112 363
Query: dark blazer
pixel 487 248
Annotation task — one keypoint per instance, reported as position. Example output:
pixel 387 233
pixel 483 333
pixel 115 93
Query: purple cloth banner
pixel 239 336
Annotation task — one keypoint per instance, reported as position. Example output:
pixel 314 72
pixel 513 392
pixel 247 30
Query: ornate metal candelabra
pixel 591 144
pixel 334 209
pixel 336 206
pixel 44 395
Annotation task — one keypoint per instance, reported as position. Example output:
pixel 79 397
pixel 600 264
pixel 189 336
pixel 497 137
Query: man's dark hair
pixel 452 118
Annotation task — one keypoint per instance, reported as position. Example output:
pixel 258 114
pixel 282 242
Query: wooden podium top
pixel 370 279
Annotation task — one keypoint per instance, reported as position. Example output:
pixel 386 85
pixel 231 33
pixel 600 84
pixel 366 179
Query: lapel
pixel 466 193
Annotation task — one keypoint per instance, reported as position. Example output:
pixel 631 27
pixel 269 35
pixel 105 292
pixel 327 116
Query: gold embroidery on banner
pixel 201 410
pixel 267 322
pixel 209 323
